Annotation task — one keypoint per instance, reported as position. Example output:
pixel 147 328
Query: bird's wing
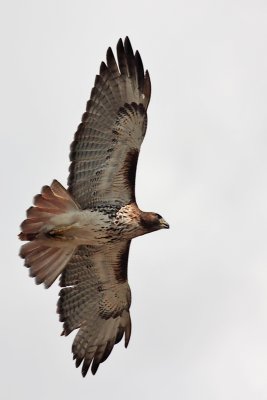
pixel 96 299
pixel 106 146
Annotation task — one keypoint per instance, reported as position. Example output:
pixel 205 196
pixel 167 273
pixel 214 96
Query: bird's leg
pixel 58 232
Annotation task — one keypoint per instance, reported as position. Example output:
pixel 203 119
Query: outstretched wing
pixel 106 146
pixel 96 299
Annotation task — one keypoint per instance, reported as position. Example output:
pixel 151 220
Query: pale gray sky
pixel 199 308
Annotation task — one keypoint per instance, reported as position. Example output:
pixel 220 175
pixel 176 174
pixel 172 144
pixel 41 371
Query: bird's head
pixel 151 221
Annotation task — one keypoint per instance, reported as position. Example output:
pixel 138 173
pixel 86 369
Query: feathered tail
pixel 47 253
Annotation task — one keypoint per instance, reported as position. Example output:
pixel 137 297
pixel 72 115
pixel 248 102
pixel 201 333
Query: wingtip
pixel 120 43
pixel 127 337
pixel 147 87
pixel 103 68
pixel 109 52
pixel 85 368
pixel 127 41
pixel 94 367
pixel 84 374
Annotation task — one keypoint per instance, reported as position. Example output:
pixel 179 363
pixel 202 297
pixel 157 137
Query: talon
pixel 58 232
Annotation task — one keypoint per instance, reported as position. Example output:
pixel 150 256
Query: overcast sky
pixel 199 309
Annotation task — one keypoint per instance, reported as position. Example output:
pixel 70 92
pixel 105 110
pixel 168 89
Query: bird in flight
pixel 84 233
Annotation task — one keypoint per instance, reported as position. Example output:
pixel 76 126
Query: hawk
pixel 84 233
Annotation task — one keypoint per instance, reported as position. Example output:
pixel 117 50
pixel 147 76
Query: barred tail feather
pixel 45 263
pixel 45 256
pixel 53 200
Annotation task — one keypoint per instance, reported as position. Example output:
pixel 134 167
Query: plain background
pixel 199 308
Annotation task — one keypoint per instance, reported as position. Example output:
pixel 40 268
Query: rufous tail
pixel 46 254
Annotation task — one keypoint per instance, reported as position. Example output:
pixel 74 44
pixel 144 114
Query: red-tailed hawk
pixel 84 233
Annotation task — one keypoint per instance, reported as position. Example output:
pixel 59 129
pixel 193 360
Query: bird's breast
pixel 94 227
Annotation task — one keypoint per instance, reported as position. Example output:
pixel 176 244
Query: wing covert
pixel 112 129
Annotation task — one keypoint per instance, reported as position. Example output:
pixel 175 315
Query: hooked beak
pixel 164 224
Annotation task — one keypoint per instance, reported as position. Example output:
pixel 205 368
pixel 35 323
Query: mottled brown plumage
pixel 84 233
